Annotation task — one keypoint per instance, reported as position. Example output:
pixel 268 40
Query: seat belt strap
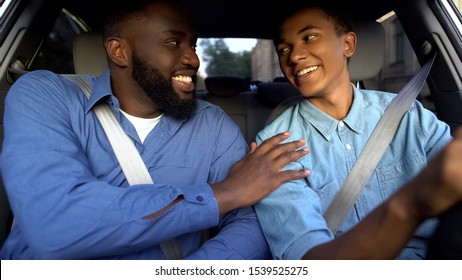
pixel 128 156
pixel 374 149
pixel 123 147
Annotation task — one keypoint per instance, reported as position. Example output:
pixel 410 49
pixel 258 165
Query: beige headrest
pixel 89 54
pixel 366 63
pixel 370 50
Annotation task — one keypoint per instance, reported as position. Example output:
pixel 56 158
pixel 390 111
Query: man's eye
pixel 308 38
pixel 173 43
pixel 282 51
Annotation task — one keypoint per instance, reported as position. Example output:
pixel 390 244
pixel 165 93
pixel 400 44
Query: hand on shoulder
pixel 260 172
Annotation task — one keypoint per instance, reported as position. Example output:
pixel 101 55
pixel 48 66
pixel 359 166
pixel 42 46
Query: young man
pixel 336 119
pixel 69 195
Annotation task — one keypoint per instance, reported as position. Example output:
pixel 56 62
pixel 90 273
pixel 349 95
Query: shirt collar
pixel 355 118
pixel 101 89
pixel 326 125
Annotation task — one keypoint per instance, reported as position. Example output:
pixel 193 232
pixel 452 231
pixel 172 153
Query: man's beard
pixel 161 90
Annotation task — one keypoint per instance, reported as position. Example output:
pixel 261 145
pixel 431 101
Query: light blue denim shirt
pixel 291 217
pixel 71 199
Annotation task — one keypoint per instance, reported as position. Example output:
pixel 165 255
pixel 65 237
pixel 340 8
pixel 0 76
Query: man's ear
pixel 117 50
pixel 350 44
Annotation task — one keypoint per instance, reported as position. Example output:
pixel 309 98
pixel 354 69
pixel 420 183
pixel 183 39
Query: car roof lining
pixel 240 18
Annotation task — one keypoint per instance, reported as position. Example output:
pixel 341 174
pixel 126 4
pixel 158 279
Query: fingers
pixel 290 175
pixel 288 152
pixel 272 142
pixel 283 154
pixel 253 147
pixel 280 154
pixel 260 172
pixel 289 156
pixel 274 149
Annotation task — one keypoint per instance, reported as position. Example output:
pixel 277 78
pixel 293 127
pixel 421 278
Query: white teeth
pixel 306 71
pixel 184 79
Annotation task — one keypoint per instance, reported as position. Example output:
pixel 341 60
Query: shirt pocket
pixel 392 176
pixel 326 193
pixel 172 169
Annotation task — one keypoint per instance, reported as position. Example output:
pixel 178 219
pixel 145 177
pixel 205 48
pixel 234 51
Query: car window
pixel 225 56
pixel 400 62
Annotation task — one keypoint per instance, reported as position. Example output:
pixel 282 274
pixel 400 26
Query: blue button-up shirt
pixel 291 217
pixel 71 199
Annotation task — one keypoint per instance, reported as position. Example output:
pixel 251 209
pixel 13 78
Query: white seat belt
pixel 374 149
pixel 129 159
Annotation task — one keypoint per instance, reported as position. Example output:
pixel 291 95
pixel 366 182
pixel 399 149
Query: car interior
pixel 428 26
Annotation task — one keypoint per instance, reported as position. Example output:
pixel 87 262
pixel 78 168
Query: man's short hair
pixel 336 10
pixel 126 10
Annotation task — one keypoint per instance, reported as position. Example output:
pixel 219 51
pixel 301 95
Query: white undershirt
pixel 143 126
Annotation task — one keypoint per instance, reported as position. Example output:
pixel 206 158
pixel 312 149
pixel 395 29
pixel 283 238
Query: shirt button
pixel 199 198
pixel 341 124
pixel 348 146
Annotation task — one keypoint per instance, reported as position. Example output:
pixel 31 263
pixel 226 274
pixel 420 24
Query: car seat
pixel 225 91
pixel 248 108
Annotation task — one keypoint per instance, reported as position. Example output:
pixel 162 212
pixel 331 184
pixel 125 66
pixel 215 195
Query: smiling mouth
pixel 183 79
pixel 184 84
pixel 306 71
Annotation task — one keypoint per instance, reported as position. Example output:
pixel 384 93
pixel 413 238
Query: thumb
pixel 253 147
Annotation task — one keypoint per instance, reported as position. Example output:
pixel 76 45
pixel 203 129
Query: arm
pixel 258 174
pixel 432 135
pixel 239 237
pixel 386 230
